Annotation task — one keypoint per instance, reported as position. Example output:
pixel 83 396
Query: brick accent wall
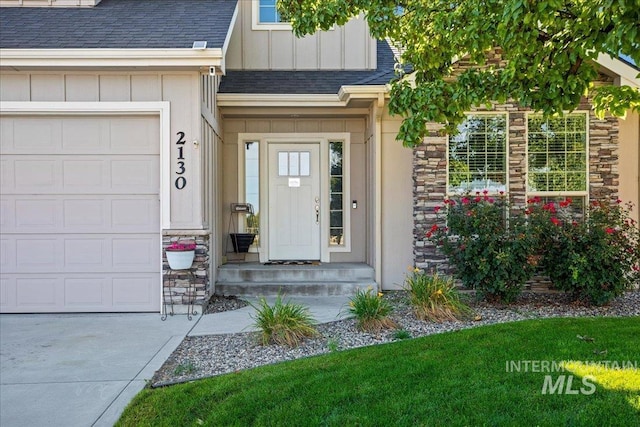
pixel 430 174
pixel 177 290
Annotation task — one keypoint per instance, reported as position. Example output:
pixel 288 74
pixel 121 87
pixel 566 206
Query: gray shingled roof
pixel 123 24
pixel 309 82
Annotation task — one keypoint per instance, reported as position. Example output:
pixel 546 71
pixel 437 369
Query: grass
pixel 457 378
pixel 434 297
pixel 371 311
pixel 284 322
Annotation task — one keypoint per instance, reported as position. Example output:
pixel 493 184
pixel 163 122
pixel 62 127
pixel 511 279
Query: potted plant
pixel 180 254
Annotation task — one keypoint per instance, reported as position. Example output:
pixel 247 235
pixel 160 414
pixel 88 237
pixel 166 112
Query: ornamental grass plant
pixel 371 311
pixel 283 323
pixel 434 297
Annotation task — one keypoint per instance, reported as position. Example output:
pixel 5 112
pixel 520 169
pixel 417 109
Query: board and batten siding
pixel 181 89
pixel 251 47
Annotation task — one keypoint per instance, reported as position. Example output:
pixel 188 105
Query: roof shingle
pixel 309 82
pixel 119 24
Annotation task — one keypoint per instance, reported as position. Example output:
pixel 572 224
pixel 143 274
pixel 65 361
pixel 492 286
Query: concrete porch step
pixel 254 279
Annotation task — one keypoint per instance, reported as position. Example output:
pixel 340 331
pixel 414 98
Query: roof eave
pixel 278 100
pixel 166 58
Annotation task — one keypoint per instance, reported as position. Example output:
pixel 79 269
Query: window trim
pixel 256 24
pixel 585 193
pixel 264 139
pixel 506 154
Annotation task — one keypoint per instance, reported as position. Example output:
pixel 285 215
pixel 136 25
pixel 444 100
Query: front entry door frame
pixel 294 201
pixel 299 139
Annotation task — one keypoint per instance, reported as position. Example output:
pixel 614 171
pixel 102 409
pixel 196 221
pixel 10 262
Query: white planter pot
pixel 180 260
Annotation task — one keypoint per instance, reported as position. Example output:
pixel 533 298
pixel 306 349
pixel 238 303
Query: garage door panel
pixel 80 135
pixel 136 174
pixel 41 292
pixel 84 175
pixel 81 253
pixel 37 215
pixel 36 176
pixel 50 293
pixel 135 135
pixel 38 254
pixel 87 292
pixel 40 136
pixel 80 213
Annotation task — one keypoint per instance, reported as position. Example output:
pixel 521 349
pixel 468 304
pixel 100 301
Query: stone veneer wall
pixel 430 174
pixel 178 292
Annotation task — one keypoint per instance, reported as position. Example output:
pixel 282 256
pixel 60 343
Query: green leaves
pixel 545 63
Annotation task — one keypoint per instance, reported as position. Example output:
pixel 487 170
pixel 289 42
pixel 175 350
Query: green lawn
pixel 457 378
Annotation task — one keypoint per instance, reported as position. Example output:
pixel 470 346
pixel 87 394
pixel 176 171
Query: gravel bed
pixel 206 356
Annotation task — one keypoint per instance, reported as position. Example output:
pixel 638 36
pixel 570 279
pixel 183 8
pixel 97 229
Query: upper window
pixel 557 159
pixel 267 12
pixel 478 155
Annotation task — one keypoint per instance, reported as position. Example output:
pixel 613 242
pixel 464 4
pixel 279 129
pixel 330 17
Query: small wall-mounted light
pixel 199 45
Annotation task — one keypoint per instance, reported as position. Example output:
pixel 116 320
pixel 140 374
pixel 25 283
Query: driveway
pixel 79 369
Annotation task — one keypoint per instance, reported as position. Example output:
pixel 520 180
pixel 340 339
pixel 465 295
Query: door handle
pixel 317 214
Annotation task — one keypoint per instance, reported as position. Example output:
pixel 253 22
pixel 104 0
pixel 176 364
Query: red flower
pixel 575 223
pixel 437 209
pixel 636 268
pixel 477 193
pixel 609 230
pixel 477 199
pixel 556 221
pixel 434 227
pixel 527 211
pixel 429 234
pixel 485 191
pixel 491 200
pixel 465 201
pixel 618 201
pixel 469 213
pixel 501 193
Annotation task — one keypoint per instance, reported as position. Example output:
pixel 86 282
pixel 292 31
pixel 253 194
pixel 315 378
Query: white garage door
pixel 79 214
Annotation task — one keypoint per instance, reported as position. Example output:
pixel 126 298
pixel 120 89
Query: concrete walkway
pixel 83 369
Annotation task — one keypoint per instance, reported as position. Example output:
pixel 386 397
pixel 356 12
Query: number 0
pixel 181 182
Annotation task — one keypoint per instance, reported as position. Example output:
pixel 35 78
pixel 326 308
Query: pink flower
pixel 491 200
pixel 485 191
pixel 465 201
pixel 477 199
pixel 501 193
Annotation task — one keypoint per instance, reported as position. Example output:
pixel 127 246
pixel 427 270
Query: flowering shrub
pixel 594 256
pixel 181 246
pixel 490 252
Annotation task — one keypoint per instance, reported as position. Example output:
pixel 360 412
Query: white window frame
pixel 257 25
pixel 585 193
pixel 506 148
pixel 264 139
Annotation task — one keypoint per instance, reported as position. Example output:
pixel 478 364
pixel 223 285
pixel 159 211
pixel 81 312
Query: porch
pixel 315 279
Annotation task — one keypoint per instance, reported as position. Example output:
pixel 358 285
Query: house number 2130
pixel 181 181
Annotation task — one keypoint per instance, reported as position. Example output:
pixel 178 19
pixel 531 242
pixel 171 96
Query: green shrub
pixel 371 311
pixel 489 252
pixel 284 323
pixel 594 256
pixel 434 297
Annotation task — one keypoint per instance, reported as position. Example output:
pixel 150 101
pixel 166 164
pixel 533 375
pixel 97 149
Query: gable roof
pixel 309 82
pixel 118 24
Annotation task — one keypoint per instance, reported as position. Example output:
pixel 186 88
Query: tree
pixel 549 48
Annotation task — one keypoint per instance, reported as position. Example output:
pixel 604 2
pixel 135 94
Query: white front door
pixel 294 201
